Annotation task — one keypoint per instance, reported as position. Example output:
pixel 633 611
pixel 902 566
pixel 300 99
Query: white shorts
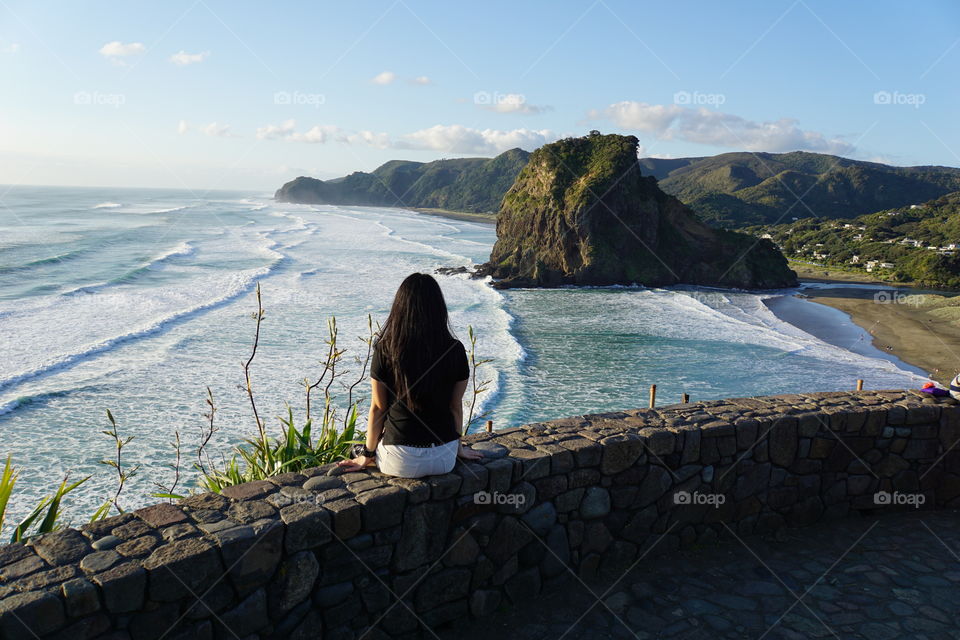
pixel 415 462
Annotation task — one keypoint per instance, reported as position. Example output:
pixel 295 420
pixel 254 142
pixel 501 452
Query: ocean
pixel 138 300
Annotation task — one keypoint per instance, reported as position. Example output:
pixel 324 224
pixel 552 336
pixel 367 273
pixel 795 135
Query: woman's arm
pixel 456 407
pixel 375 419
pixel 378 413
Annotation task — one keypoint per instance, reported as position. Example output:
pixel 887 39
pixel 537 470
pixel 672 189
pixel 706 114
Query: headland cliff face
pixel 581 213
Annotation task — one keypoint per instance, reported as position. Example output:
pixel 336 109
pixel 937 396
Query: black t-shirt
pixel 433 423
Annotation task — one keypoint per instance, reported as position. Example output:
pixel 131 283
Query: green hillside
pixel 742 188
pixel 459 184
pixel 908 244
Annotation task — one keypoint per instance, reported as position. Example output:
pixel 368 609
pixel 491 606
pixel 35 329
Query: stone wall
pixel 363 555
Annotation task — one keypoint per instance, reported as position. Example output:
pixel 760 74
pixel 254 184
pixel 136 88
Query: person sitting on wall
pixel 418 374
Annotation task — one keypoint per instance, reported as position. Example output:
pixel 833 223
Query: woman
pixel 418 373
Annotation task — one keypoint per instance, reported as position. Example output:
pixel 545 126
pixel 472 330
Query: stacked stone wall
pixel 333 555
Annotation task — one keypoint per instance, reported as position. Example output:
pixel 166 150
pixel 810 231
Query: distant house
pixel 876 264
pixel 820 256
pixel 855 260
pixel 766 236
pixel 859 236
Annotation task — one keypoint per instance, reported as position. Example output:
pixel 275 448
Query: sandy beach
pixel 489 218
pixel 920 327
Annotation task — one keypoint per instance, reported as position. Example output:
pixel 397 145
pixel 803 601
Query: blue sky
pixel 206 94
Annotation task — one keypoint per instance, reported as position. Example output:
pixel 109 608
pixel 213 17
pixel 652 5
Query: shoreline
pixel 464 216
pixel 836 327
pixel 848 315
pixel 918 330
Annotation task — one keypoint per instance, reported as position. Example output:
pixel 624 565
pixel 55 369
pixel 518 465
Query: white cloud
pixel 711 127
pixel 511 103
pixel 182 58
pixel 369 138
pixel 649 118
pixel 183 127
pixel 319 134
pixel 384 77
pixel 423 80
pixel 13 47
pixel 444 138
pixel 116 49
pixel 274 131
pixel 459 139
pixel 217 130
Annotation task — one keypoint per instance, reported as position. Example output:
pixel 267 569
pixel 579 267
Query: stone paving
pixel 876 578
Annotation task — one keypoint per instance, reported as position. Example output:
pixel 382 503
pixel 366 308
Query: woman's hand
pixel 357 464
pixel 466 453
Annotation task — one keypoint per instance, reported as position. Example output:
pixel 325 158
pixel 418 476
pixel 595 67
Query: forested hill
pixel 743 188
pixel 460 184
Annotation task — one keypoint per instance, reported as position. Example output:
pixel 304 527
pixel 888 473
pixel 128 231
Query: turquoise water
pixel 137 300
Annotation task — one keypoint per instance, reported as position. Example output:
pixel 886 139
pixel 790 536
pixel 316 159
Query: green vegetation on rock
pixel 581 213
pixel 473 185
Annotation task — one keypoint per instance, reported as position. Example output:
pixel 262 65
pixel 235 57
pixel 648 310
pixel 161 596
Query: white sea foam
pixel 107 205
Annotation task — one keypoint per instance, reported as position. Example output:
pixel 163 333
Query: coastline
pixel 915 330
pixel 919 330
pixel 487 218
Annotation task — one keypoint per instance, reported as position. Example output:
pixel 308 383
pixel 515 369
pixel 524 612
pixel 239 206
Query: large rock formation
pixel 581 213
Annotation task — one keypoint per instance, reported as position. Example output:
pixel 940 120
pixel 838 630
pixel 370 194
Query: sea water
pixel 138 301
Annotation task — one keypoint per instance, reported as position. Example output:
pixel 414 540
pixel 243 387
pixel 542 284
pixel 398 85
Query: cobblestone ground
pixel 878 578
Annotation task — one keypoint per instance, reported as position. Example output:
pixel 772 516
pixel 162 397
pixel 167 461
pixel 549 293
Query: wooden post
pixel 685 398
pixel 859 385
pixel 489 426
pixel 653 396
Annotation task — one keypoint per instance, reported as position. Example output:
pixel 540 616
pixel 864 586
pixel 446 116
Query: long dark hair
pixel 415 337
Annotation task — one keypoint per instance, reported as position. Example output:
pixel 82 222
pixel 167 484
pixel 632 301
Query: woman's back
pixel 431 420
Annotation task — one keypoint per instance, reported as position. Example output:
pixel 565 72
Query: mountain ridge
pixel 473 185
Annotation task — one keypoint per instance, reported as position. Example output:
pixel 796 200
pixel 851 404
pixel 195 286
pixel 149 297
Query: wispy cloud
pixel 318 134
pixel 276 131
pixel 116 51
pixel 384 77
pixel 507 103
pixel 443 138
pixel 217 130
pixel 182 127
pixel 715 128
pixel 460 139
pixel 421 80
pixel 13 47
pixel 182 58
